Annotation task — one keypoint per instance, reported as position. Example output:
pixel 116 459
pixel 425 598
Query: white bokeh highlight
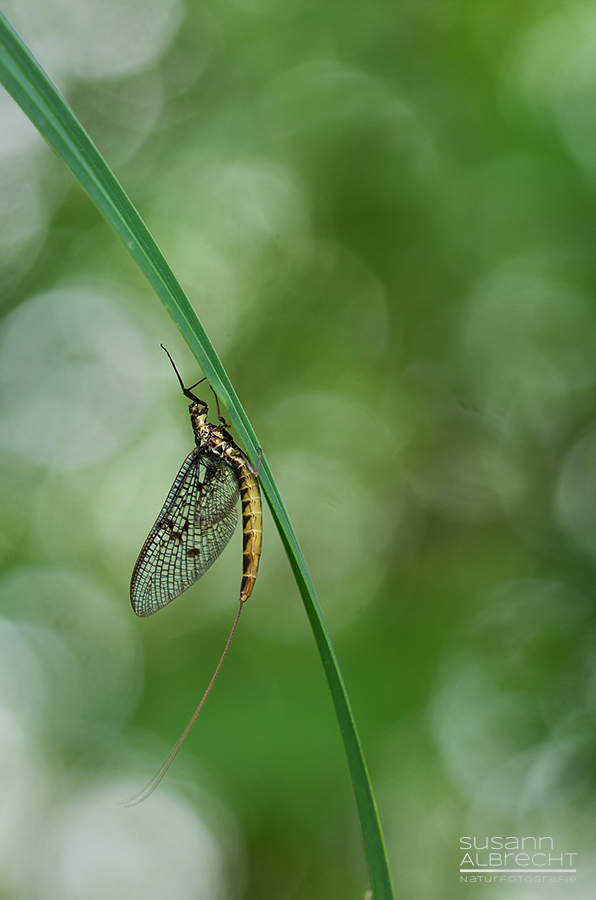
pixel 96 39
pixel 75 379
pixel 96 848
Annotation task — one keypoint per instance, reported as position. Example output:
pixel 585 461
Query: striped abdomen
pixel 252 522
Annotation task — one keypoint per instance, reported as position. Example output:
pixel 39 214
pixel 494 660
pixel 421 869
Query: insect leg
pixel 219 415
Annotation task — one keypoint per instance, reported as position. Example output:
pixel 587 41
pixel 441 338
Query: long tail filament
pixel 146 792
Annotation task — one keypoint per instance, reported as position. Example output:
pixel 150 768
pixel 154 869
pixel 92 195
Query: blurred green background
pixel 383 213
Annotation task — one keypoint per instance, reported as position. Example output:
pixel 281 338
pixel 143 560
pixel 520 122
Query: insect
pixel 195 524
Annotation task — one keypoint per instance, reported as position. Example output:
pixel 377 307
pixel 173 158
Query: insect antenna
pixel 186 391
pixel 146 792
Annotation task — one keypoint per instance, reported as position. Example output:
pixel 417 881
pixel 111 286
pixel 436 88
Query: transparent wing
pixel 195 524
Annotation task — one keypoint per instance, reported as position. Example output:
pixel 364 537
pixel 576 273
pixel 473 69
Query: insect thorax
pixel 212 440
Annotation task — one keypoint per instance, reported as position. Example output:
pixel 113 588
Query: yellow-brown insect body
pixel 195 524
pixel 216 439
pixel 198 518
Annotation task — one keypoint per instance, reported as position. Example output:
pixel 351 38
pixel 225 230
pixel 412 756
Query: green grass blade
pixel 47 109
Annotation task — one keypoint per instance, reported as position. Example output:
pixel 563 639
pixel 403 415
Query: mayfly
pixel 195 524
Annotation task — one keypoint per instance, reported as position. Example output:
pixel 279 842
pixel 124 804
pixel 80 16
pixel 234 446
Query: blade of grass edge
pixel 28 84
